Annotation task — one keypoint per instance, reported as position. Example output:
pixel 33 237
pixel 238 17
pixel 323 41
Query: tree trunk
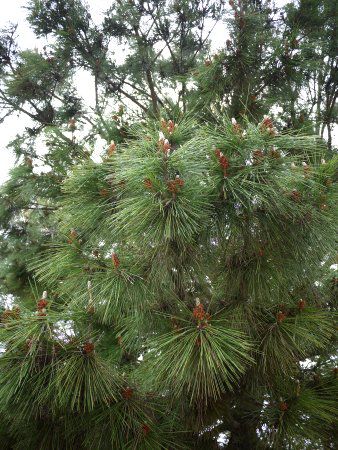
pixel 319 102
pixel 329 137
pixel 246 417
pixel 152 92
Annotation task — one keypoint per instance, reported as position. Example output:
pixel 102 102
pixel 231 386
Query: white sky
pixel 14 11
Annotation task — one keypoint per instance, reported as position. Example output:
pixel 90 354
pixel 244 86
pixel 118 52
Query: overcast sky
pixel 14 11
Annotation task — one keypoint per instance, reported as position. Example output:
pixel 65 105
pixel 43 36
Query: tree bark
pixel 246 418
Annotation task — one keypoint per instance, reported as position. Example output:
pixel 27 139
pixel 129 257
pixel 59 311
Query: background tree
pixel 310 57
pixel 244 76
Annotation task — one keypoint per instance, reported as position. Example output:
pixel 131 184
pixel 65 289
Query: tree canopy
pixel 178 291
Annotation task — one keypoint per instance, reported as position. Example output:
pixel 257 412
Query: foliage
pixel 189 268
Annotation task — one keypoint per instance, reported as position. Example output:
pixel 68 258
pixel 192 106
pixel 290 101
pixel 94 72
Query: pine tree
pixel 182 288
pixel 182 297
